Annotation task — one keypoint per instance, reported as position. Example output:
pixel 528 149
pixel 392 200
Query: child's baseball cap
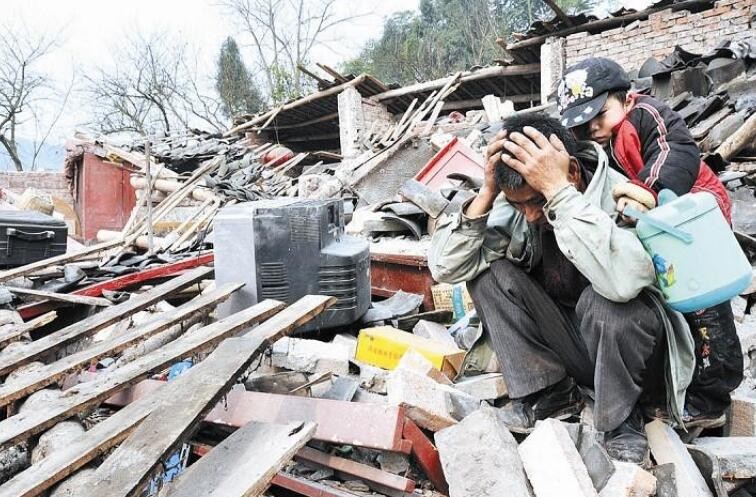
pixel 584 88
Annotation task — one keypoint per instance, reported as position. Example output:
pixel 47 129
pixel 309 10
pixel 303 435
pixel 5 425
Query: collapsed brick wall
pixel 657 36
pixel 53 183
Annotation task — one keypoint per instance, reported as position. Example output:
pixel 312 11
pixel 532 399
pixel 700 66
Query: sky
pixel 87 31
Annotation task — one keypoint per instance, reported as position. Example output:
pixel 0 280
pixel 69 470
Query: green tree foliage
pixel 236 88
pixel 449 35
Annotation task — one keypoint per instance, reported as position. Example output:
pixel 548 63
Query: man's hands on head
pixel 543 162
pixel 483 202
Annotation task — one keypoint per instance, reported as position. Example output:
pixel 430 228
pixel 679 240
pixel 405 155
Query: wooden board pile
pixel 45 425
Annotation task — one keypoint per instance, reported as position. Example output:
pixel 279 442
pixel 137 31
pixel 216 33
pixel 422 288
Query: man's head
pixel 517 192
pixel 592 98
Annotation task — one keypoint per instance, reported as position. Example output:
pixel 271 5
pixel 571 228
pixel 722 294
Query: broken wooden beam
pixel 17 331
pixel 488 72
pixel 244 463
pixel 85 395
pixel 55 371
pixel 93 324
pixel 296 103
pixel 62 297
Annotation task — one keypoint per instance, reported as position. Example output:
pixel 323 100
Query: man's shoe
pixel 559 401
pixel 628 441
pixel 692 417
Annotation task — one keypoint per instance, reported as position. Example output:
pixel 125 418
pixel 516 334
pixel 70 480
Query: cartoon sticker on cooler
pixel 665 271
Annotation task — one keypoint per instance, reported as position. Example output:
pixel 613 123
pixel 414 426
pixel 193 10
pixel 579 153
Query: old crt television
pixel 287 248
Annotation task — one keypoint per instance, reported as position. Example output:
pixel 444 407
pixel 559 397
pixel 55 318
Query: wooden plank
pixel 85 395
pixel 488 72
pixel 102 437
pixel 356 469
pixel 95 323
pixel 62 297
pixel 51 373
pixel 375 426
pixel 244 463
pixel 128 468
pixel 334 90
pixel 17 331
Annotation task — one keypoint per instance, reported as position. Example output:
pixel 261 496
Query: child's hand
pixel 623 202
pixel 632 195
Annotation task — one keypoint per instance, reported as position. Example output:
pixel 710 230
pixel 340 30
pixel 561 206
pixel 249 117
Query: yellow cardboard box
pixel 384 346
pixel 453 298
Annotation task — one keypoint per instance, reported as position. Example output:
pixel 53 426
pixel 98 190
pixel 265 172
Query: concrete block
pixel 310 356
pixel 489 386
pixel 480 458
pixel 434 331
pixel 736 455
pixel 372 378
pixel 629 480
pixel 553 464
pixel 348 341
pixel 417 363
pixel 428 403
pixel 667 447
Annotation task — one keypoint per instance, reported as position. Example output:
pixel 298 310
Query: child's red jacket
pixel 655 149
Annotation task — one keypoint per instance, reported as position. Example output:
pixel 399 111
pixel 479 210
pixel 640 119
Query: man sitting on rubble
pixel 565 294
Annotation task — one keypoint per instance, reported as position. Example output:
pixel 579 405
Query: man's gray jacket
pixel 611 258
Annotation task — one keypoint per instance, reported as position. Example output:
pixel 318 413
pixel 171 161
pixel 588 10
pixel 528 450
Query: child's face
pixel 599 129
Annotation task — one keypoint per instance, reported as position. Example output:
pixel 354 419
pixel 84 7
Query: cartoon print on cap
pixel 573 87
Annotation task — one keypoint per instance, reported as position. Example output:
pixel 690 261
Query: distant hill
pixel 50 158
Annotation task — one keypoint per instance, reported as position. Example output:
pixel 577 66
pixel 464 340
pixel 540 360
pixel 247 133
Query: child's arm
pixel 670 155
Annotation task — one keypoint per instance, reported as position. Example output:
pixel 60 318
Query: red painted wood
pixel 365 425
pixel 455 157
pixel 426 455
pixel 104 197
pixel 394 272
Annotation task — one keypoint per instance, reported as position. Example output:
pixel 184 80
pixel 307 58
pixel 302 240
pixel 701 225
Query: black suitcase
pixel 28 236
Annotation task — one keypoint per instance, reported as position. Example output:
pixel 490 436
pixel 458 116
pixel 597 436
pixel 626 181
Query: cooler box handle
pixel 660 225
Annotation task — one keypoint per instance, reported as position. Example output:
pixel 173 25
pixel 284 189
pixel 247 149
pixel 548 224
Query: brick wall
pixel 657 36
pixel 53 183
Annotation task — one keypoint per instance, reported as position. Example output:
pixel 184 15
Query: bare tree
pixel 153 83
pixel 24 91
pixel 283 34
